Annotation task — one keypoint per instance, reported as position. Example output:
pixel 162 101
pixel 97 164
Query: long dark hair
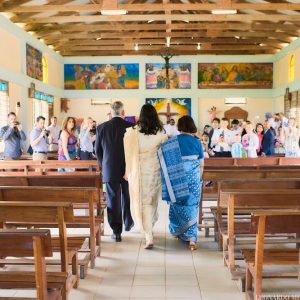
pixel 149 122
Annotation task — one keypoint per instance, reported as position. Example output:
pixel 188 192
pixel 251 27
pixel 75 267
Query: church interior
pixel 207 59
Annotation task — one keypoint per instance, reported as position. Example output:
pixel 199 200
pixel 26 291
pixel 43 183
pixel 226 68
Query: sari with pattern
pixel 181 188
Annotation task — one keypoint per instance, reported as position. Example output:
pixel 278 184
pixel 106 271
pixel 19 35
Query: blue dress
pixel 181 181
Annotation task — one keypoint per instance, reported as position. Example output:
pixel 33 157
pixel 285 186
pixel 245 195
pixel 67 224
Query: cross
pixel 168 113
pixel 167 56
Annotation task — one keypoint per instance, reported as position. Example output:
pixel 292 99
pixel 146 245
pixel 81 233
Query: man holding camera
pixel 12 135
pixel 39 140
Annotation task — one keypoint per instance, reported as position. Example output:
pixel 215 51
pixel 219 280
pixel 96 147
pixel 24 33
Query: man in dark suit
pixel 267 145
pixel 110 155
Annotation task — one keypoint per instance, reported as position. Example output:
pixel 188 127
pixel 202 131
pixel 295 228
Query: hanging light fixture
pixel 136 47
pixel 198 46
pixel 168 43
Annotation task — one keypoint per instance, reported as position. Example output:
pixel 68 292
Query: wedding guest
pixel 292 140
pixel 235 127
pixel 250 141
pixel 54 129
pixel 171 129
pixel 267 145
pixel 86 138
pixel 260 134
pixel 237 147
pixel 39 140
pixel 12 135
pixel 67 143
pixel 141 143
pixel 222 140
pixel 215 127
pixel 182 164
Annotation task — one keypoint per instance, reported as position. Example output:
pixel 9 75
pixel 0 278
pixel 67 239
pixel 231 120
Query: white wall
pixel 80 108
pixel 256 108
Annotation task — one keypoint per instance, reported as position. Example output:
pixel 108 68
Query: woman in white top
pixel 141 143
pixel 86 139
pixel 250 141
pixel 292 135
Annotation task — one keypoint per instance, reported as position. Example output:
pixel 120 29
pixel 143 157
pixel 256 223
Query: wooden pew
pixel 247 201
pixel 271 222
pixel 28 213
pixel 218 211
pixel 87 196
pixel 217 174
pixel 77 180
pixel 35 243
pixel 47 167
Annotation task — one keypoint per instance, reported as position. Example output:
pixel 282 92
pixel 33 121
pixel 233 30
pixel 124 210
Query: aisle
pixel 169 271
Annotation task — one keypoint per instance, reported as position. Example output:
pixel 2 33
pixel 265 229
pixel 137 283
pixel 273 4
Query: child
pixel 237 147
pixel 204 142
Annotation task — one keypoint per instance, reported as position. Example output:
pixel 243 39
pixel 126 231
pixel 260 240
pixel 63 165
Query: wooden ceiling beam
pixel 150 7
pixel 186 41
pixel 175 26
pixel 164 17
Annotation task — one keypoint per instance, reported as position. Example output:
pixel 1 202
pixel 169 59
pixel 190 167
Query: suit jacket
pixel 267 145
pixel 109 149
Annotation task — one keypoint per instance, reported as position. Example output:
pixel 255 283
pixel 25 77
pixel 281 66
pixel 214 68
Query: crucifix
pixel 167 56
pixel 168 113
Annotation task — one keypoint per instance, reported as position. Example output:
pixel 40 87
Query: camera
pixel 47 132
pixel 16 123
pixel 93 130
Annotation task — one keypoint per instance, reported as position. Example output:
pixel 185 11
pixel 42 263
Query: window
pixel 4 107
pixel 292 68
pixel 45 69
pixel 42 106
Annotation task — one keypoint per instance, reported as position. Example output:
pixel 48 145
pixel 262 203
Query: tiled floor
pixel 169 271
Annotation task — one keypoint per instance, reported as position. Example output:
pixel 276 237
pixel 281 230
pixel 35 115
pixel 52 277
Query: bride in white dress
pixel 141 143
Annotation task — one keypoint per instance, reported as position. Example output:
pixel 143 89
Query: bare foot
pixel 149 245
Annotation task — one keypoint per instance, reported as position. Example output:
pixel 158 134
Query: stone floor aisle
pixel 169 271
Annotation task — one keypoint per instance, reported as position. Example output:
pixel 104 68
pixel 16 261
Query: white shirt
pixel 54 132
pixel 86 143
pixel 252 144
pixel 228 140
pixel 171 130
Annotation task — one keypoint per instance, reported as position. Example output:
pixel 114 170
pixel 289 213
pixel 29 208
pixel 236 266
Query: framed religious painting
pixel 179 76
pixel 171 108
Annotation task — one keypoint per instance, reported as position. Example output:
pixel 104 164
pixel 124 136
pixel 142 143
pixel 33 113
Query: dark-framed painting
pixel 235 75
pixel 171 108
pixel 34 63
pixel 101 76
pixel 179 76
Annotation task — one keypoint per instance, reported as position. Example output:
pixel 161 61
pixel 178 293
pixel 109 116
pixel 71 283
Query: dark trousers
pixel 84 155
pixel 223 154
pixel 118 205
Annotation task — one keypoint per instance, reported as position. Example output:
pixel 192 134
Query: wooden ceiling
pixel 77 28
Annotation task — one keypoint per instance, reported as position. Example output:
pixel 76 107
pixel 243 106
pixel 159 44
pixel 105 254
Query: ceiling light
pixel 261 44
pixel 150 21
pixel 198 46
pixel 168 38
pixel 21 25
pixel 177 43
pixel 42 40
pixel 192 37
pixel 31 32
pixel 186 21
pixel 113 12
pixel 98 38
pixel 224 11
pixel 136 47
pixel 237 37
pixel 51 46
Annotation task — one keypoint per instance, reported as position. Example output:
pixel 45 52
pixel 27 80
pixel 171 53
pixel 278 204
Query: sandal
pixel 192 246
pixel 149 245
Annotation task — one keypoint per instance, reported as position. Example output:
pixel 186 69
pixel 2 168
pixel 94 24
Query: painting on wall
pixel 101 76
pixel 179 75
pixel 172 108
pixel 34 63
pixel 235 75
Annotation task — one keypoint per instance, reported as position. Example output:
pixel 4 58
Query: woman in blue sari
pixel 182 164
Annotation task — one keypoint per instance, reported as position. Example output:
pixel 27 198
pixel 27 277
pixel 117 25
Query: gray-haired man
pixel 109 150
